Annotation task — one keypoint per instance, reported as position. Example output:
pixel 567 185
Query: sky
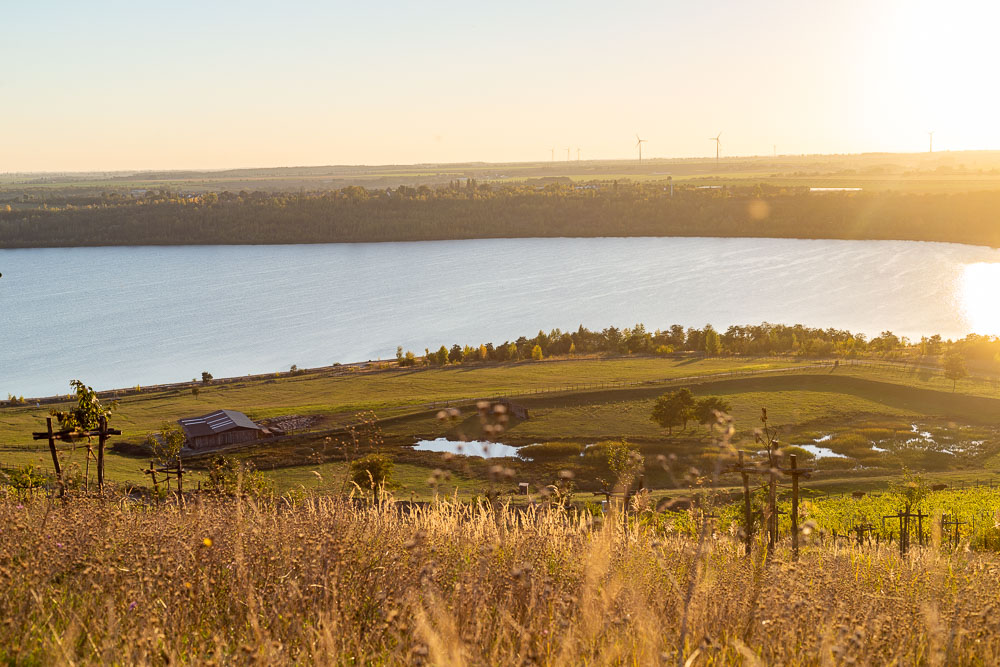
pixel 109 85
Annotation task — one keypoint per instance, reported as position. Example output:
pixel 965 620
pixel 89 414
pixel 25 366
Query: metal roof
pixel 215 422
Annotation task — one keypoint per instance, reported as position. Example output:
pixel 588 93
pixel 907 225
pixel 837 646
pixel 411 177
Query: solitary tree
pixel 705 409
pixel 713 345
pixel 954 368
pixel 624 462
pixel 673 409
pixel 372 472
pixel 206 377
pixel 166 444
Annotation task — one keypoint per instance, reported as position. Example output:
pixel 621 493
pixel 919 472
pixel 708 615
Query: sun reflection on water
pixel 980 294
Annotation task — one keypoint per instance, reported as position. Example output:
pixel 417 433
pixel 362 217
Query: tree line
pixel 484 210
pixel 745 340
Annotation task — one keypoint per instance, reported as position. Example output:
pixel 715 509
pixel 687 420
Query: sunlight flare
pixel 980 285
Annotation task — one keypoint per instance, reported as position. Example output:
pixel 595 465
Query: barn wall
pixel 231 437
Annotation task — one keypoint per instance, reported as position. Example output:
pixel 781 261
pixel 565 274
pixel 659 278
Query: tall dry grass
pixel 336 581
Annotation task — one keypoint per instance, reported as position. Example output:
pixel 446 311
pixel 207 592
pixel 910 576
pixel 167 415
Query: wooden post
pixel 772 504
pixel 55 458
pixel 795 508
pixel 102 439
pixel 152 475
pixel 180 483
pixel 747 516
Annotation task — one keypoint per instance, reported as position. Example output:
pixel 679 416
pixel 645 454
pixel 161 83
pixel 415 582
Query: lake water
pixel 117 317
pixel 487 450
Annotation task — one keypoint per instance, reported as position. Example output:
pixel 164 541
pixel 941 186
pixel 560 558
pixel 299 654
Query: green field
pixel 571 400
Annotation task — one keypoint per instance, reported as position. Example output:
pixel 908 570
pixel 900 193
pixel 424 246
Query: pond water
pixel 487 450
pixel 822 452
pixel 117 317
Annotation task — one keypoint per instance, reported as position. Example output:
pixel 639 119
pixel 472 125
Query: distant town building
pixel 218 429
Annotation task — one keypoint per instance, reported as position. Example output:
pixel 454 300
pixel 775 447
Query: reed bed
pixel 342 581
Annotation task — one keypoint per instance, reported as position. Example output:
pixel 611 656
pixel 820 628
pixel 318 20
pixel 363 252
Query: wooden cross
pixel 904 516
pixel 68 435
pixel 861 530
pixel 946 521
pixel 795 472
pixel 177 471
pixel 745 472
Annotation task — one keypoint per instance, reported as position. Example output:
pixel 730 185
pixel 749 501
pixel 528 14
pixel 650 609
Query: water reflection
pixel 980 296
pixel 488 450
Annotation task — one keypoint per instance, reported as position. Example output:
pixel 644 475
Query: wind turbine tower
pixel 567 154
pixel 553 151
pixel 577 154
pixel 931 135
pixel 718 143
pixel 638 143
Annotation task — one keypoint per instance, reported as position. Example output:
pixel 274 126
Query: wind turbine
pixel 567 154
pixel 553 150
pixel 717 145
pixel 577 154
pixel 931 135
pixel 639 142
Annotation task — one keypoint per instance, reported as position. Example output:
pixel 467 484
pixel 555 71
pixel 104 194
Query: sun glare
pixel 980 294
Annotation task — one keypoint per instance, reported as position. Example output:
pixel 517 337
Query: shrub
pixel 850 444
pixel 835 463
pixel 372 471
pixel 549 451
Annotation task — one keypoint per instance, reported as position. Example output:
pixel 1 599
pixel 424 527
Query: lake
pixel 117 317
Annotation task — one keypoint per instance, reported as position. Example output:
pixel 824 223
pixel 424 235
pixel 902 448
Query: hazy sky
pixel 107 85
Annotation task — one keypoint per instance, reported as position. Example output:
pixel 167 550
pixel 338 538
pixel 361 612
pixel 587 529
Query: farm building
pixel 219 428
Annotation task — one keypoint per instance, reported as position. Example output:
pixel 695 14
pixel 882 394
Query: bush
pixel 372 471
pixel 835 463
pixel 549 451
pixel 230 476
pixel 850 444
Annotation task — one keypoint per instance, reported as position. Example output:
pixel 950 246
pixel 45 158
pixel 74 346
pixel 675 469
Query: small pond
pixel 488 450
pixel 822 452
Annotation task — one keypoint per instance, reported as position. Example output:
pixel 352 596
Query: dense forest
pixel 482 210
pixel 759 339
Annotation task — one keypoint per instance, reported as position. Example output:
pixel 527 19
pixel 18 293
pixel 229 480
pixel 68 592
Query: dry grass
pixel 330 580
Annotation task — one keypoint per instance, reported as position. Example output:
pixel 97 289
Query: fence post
pixel 55 458
pixel 747 516
pixel 795 507
pixel 102 439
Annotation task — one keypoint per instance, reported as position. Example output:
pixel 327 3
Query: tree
pixel 441 357
pixel 88 411
pixel 623 461
pixel 705 409
pixel 456 354
pixel 954 368
pixel 536 353
pixel 206 377
pixel 673 409
pixel 713 346
pixel 166 443
pixel 372 472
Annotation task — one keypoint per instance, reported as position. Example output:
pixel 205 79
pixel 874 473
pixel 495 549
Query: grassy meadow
pixel 308 569
pixel 328 581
